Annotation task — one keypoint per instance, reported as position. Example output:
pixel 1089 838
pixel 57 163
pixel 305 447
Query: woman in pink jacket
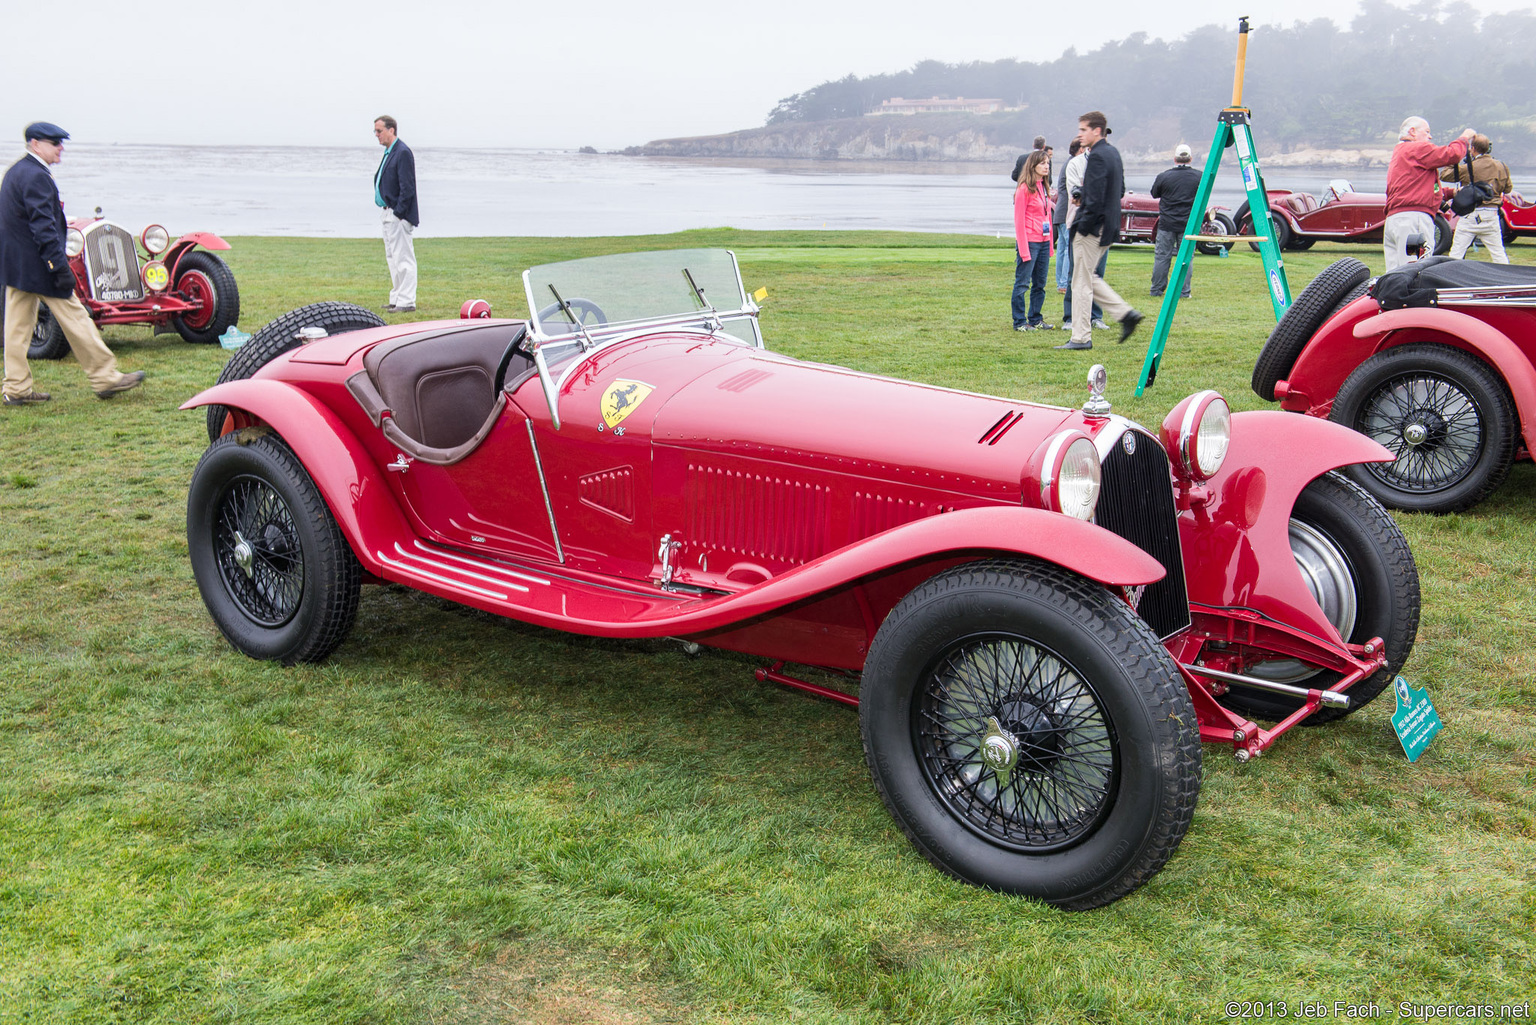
pixel 1032 227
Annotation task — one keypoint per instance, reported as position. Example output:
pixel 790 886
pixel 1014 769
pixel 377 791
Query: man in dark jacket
pixel 34 269
pixel 1174 191
pixel 394 191
pixel 1095 228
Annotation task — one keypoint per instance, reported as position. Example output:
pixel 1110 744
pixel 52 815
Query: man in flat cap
pixel 34 269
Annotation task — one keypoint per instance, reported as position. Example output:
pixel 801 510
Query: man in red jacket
pixel 1413 187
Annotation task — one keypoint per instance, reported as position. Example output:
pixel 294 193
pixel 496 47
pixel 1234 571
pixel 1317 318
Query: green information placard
pixel 1415 720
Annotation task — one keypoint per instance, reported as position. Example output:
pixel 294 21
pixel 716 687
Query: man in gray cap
pixel 34 269
pixel 1174 191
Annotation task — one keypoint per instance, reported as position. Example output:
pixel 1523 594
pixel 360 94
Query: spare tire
pixel 281 335
pixel 1308 312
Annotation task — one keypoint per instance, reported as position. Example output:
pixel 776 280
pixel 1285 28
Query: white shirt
pixel 1076 168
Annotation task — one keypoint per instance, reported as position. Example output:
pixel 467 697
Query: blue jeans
pixel 1167 247
pixel 1030 278
pixel 1064 266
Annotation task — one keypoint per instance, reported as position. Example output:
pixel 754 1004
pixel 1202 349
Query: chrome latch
pixel 664 553
pixel 401 464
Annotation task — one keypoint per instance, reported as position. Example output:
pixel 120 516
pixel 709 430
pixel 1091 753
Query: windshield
pixel 605 292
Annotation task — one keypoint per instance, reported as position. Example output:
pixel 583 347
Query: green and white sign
pixel 1415 720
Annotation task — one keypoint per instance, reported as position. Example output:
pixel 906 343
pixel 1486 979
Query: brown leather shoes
pixel 125 383
pixel 31 398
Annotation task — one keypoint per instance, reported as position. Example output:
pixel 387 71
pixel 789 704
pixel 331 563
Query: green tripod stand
pixel 1232 129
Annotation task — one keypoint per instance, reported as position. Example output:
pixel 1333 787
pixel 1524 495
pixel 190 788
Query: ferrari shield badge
pixel 1415 720
pixel 621 398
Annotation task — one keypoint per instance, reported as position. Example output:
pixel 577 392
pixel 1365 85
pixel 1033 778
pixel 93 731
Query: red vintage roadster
pixel 149 279
pixel 1138 223
pixel 1340 214
pixel 1049 609
pixel 1517 217
pixel 1434 361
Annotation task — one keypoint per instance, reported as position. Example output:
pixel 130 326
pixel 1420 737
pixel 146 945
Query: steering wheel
pixel 587 313
pixel 513 348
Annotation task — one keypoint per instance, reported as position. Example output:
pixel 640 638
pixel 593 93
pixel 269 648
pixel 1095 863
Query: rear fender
pixel 349 479
pixel 1466 332
pixel 1237 550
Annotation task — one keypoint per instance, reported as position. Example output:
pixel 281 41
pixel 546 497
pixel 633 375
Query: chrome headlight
pixel 155 240
pixel 74 243
pixel 1069 475
pixel 1197 433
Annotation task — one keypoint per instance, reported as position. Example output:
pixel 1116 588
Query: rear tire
pixel 1310 310
pixel 1029 733
pixel 1445 415
pixel 1359 566
pixel 207 279
pixel 273 567
pixel 48 341
pixel 281 335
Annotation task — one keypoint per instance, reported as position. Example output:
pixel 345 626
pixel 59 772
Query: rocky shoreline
pixel 918 139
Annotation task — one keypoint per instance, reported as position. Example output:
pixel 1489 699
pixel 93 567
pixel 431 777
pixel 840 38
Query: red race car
pixel 1138 223
pixel 1517 218
pixel 1340 214
pixel 150 279
pixel 1048 609
pixel 1434 361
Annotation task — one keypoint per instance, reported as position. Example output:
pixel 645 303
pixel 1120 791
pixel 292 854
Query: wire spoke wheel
pixel 1015 743
pixel 1430 424
pixel 258 551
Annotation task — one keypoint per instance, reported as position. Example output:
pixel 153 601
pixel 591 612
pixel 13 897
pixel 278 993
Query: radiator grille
pixel 1136 502
pixel 112 264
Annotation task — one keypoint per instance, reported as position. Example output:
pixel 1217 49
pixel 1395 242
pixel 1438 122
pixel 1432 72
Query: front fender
pixel 1237 549
pixel 1464 331
pixel 348 478
pixel 1083 548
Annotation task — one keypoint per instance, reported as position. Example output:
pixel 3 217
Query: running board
pixel 518 592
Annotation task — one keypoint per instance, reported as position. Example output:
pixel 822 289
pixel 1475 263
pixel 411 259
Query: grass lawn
pixel 458 818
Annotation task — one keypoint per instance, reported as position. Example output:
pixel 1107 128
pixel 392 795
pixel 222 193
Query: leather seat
pixel 437 389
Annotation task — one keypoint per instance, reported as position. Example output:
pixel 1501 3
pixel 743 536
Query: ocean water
pixel 256 190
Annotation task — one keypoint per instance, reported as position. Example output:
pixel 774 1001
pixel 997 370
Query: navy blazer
pixel 397 183
pixel 1103 185
pixel 32 230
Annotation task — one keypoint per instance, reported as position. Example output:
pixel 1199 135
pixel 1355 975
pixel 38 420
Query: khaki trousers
pixel 1088 288
pixel 400 254
pixel 79 330
pixel 1482 223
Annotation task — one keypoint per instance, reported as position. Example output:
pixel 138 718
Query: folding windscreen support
pixel 1233 128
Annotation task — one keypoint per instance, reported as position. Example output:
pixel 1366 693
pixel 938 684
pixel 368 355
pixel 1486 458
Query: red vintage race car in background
pixel 1048 609
pixel 1138 223
pixel 1517 218
pixel 148 279
pixel 1436 361
pixel 1340 214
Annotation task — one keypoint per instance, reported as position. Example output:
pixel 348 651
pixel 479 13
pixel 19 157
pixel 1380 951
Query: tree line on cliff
pixel 1310 85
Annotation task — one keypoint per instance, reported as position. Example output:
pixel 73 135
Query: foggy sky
pixel 467 73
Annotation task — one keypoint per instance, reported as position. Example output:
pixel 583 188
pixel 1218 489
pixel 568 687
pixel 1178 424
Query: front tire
pixel 1360 569
pixel 1029 733
pixel 206 279
pixel 274 569
pixel 1443 413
